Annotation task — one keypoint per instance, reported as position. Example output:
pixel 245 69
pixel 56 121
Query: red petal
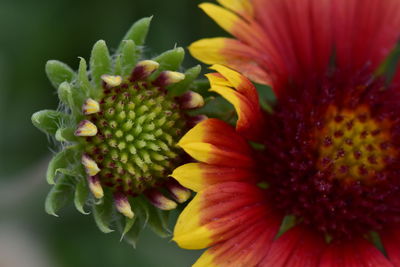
pixel 296 247
pixel 247 248
pixel 220 212
pixel 354 253
pixel 215 142
pixel 299 35
pixel 227 207
pixel 198 176
pixel 365 31
pixel 243 97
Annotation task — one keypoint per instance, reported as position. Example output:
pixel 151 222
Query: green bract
pixel 118 125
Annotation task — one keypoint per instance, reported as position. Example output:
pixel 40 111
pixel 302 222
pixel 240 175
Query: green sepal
pixel 48 121
pixel 288 222
pixel 377 241
pixel 59 72
pixel 117 65
pixel 389 65
pixel 132 236
pixel 141 210
pixel 83 81
pixel 65 135
pixel 137 33
pixel 158 221
pixel 60 161
pixel 183 86
pixel 102 213
pixel 72 96
pixel 70 171
pixel 129 56
pixel 81 195
pixel 128 225
pixel 100 62
pixel 59 195
pixel 170 60
pixel 65 94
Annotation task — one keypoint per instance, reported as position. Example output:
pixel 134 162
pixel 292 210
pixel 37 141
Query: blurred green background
pixel 33 32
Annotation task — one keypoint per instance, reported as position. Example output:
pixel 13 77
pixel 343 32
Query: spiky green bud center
pixel 138 128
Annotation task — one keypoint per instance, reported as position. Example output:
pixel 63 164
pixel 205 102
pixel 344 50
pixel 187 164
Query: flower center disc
pixel 334 168
pixel 138 127
pixel 353 146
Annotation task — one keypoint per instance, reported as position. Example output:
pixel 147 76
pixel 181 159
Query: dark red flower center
pixel 331 158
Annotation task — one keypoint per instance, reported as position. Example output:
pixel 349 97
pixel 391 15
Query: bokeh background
pixel 33 32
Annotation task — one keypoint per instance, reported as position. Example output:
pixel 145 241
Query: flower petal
pixel 203 143
pixel 218 213
pixel 245 249
pixel 296 247
pixel 197 176
pixel 241 7
pixel 354 253
pixel 232 23
pixel 233 53
pixel 298 34
pixel 365 31
pixel 245 100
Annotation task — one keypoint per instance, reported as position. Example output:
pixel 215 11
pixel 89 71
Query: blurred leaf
pixel 59 72
pixel 48 121
pixel 81 195
pixel 60 161
pixel 171 59
pixel 183 86
pixel 59 195
pixel 138 32
pixel 100 62
pixel 102 213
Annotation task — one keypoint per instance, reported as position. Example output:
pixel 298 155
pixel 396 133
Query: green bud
pixel 118 128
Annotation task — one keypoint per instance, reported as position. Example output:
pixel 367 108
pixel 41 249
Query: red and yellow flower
pixel 326 159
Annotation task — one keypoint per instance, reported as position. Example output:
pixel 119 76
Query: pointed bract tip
pixel 90 107
pixel 191 100
pixel 194 120
pixel 123 206
pixel 179 193
pixel 111 80
pixel 160 201
pixel 149 65
pixel 143 69
pixel 86 128
pixel 95 187
pixel 173 76
pixel 168 77
pixel 90 165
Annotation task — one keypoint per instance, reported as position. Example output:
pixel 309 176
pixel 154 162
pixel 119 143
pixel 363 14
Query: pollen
pixel 353 145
